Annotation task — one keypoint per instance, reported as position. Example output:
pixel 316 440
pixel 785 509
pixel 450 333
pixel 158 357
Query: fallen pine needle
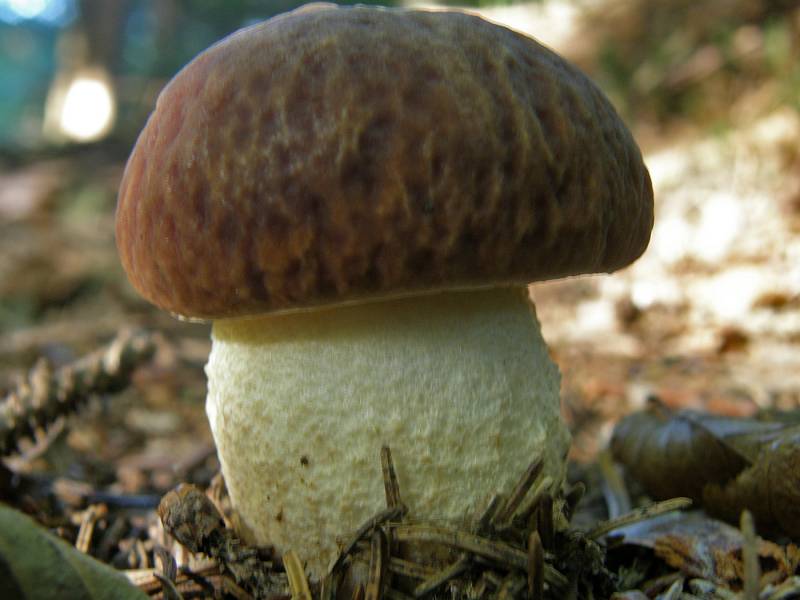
pixel 298 583
pixel 639 514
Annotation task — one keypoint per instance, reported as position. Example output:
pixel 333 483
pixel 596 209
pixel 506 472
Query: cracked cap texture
pixel 340 154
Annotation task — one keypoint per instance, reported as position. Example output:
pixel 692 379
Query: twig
pixel 390 484
pixel 89 519
pixel 169 568
pixel 505 515
pixel 443 576
pixel 531 503
pixel 369 525
pixel 640 514
pixel 493 550
pixel 483 525
pixel 408 568
pixel 535 567
pixel 573 498
pixel 47 395
pixel 544 521
pixel 393 501
pixel 168 575
pixel 186 581
pixel 379 556
pixel 168 589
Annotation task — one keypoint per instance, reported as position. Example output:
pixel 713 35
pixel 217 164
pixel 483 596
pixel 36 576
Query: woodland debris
pixel 615 492
pixel 751 575
pixel 204 577
pixel 47 395
pixel 708 549
pixel 506 513
pixel 191 518
pixel 653 587
pixel 643 514
pixel 379 556
pixel 168 575
pixel 726 464
pixel 390 483
pixel 88 520
pixel 499 552
pixel 535 566
pixel 785 591
pixel 408 559
pixel 298 583
pixel 544 521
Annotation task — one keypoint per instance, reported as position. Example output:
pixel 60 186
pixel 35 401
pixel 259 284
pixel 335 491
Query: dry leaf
pixel 727 464
pixel 707 548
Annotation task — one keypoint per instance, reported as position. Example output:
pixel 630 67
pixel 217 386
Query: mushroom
pixel 358 198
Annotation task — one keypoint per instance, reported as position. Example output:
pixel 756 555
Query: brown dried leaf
pixel 728 464
pixel 707 548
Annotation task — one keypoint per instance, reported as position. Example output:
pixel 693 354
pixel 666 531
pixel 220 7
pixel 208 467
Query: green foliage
pixel 36 564
pixel 662 60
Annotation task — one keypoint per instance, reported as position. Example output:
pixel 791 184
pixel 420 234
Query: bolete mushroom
pixel 358 198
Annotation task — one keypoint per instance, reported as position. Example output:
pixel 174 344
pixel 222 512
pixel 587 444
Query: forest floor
pixel 708 318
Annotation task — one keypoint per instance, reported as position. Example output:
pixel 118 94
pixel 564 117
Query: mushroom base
pixel 459 385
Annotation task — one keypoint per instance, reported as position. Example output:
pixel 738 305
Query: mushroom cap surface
pixel 340 154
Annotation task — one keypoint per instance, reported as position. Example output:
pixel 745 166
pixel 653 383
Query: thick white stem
pixel 459 385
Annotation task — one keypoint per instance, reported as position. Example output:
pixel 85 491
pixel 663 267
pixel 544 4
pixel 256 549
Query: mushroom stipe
pixel 404 558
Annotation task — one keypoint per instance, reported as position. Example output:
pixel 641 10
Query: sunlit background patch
pixel 53 12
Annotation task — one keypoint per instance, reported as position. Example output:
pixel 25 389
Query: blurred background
pixel 709 317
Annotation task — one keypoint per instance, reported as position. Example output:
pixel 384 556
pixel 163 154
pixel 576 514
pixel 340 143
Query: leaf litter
pixel 726 464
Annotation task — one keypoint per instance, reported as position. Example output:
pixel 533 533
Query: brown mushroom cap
pixel 340 154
